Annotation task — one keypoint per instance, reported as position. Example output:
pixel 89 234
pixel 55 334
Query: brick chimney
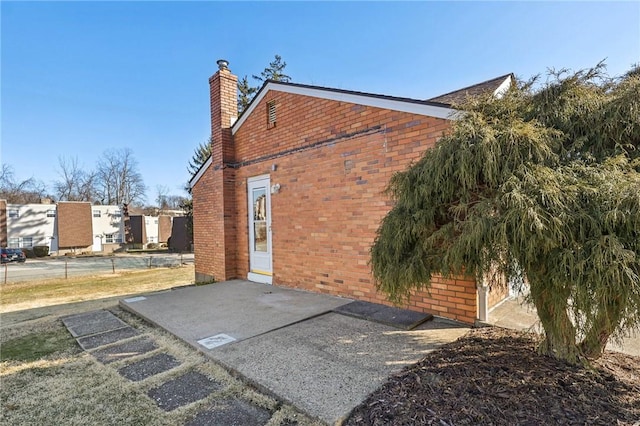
pixel 214 209
pixel 224 111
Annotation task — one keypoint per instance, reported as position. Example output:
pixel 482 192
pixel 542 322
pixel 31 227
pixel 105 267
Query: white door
pixel 259 199
pixel 97 243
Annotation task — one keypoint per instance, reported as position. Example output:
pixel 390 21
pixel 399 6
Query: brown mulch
pixel 494 376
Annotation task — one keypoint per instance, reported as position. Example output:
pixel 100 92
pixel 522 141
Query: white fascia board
pixel 504 86
pixel 198 175
pixel 372 101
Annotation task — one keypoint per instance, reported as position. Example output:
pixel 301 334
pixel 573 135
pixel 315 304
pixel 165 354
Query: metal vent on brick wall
pixel 271 113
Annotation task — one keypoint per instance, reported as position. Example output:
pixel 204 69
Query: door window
pixel 260 219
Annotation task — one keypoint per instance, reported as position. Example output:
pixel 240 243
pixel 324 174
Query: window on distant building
pixel 51 213
pixel 117 213
pixel 20 242
pixel 96 213
pixel 155 221
pixel 113 238
pixel 13 213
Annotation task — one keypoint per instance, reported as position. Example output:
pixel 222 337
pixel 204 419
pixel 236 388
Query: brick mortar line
pixel 318 144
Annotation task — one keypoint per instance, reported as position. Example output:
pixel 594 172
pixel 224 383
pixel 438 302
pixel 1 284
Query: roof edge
pixel 416 106
pixel 195 178
pixel 510 76
pixel 504 86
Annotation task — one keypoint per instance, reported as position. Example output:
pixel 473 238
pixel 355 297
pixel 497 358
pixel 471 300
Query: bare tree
pixel 75 184
pixel 118 180
pixel 166 201
pixel 20 192
pixel 162 197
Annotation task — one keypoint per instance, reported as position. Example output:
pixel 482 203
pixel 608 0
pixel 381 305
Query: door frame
pixel 265 273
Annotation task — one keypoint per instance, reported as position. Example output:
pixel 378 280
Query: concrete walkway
pixel 178 382
pixel 291 343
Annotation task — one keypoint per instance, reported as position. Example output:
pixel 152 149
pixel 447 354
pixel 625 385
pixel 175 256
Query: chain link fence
pixel 65 267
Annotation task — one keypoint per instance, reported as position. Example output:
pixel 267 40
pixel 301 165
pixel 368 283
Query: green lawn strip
pixel 37 345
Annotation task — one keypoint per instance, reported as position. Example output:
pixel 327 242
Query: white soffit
pixel 354 98
pixel 504 86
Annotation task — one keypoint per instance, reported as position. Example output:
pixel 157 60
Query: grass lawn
pixel 47 379
pixel 39 293
pixel 37 345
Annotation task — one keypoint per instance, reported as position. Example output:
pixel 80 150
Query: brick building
pixel 146 229
pixel 293 191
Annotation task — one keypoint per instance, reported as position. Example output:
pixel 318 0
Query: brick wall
pixel 164 228
pixel 498 289
pixel 333 161
pixel 74 225
pixel 331 199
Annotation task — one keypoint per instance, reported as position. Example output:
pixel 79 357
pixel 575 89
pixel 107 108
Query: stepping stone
pixel 106 338
pixel 231 412
pixel 183 390
pixel 148 367
pixel 92 323
pixel 388 315
pixel 125 350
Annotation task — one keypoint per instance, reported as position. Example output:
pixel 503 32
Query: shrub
pixel 152 246
pixel 41 251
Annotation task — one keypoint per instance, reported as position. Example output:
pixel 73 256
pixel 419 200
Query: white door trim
pixel 260 262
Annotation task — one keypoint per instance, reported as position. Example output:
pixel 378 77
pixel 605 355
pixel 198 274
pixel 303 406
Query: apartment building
pixel 29 225
pixel 77 227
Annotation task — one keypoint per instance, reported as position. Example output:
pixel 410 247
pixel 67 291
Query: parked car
pixel 12 255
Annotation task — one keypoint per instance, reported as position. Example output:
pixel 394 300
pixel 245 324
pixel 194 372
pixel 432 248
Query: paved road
pixel 57 267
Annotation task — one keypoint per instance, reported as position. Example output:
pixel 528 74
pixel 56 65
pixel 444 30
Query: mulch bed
pixel 494 376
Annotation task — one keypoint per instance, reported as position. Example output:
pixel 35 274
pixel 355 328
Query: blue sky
pixel 78 78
